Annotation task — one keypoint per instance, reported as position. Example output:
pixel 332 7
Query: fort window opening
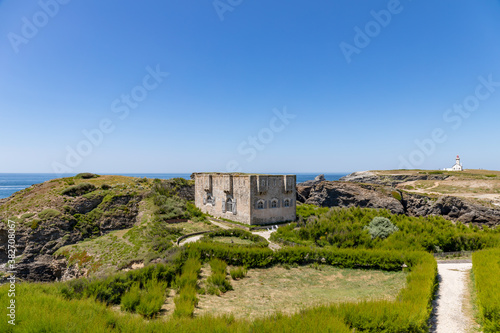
pixel 287 203
pixel 274 203
pixel 229 205
pixel 260 204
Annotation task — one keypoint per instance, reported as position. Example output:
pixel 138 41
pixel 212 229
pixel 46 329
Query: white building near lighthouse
pixel 457 167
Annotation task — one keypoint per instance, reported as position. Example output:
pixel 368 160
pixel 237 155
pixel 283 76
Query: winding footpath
pixel 448 314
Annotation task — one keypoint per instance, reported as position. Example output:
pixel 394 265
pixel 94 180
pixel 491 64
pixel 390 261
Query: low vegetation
pixel 237 237
pixel 486 269
pixel 74 301
pixel 147 301
pixel 187 285
pixel 217 282
pixel 350 228
pixel 238 272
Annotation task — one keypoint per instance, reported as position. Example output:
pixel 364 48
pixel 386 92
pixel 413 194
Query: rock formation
pixel 351 194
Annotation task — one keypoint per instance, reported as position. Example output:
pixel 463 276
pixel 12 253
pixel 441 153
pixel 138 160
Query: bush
pixel 86 175
pixel 78 190
pixel 381 227
pixel 218 277
pixel 49 214
pixel 345 228
pixel 486 269
pixel 105 186
pixel 152 298
pixel 396 195
pixel 131 298
pixel 110 290
pixel 259 241
pixel 186 300
pixel 27 215
pixel 238 272
pixel 34 224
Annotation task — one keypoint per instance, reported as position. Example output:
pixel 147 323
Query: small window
pixel 287 203
pixel 260 205
pixel 274 203
pixel 209 200
pixel 229 205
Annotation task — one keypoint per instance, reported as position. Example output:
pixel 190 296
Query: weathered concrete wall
pixel 267 189
pixel 214 191
pixel 224 187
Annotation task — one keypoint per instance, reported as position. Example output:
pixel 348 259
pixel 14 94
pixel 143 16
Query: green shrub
pixel 184 306
pixel 238 272
pixel 49 214
pixel 258 241
pixel 345 228
pixel 187 299
pixel 381 227
pixel 105 186
pixel 131 298
pixel 486 269
pixel 34 224
pixel 86 175
pixel 27 215
pixel 78 190
pixel 152 299
pixel 396 195
pixel 490 176
pixel 218 277
pixel 109 290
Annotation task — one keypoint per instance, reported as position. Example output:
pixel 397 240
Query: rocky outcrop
pixel 343 194
pixel 451 208
pixel 388 179
pixel 83 217
pixel 347 194
pixel 317 180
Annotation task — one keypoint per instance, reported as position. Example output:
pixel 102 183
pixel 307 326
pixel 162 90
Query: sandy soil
pixel 449 313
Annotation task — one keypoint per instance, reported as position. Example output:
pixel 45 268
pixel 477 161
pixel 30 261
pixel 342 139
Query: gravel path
pixel 448 316
pixel 191 239
pixel 267 235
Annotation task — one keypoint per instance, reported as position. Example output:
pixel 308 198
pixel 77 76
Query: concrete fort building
pixel 246 198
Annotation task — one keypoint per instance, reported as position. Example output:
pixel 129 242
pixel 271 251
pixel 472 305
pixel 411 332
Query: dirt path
pixel 448 315
pixel 191 239
pixel 220 225
pixel 267 235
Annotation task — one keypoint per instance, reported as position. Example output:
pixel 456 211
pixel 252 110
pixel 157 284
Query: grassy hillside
pixel 481 186
pixel 99 224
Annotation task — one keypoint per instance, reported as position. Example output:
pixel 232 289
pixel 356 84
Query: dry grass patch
pixel 277 289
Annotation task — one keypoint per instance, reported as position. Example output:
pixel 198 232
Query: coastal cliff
pixel 67 211
pixel 391 191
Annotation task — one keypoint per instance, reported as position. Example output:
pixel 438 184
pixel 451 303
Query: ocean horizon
pixel 11 183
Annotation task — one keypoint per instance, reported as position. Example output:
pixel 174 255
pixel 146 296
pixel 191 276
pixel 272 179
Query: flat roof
pixel 240 174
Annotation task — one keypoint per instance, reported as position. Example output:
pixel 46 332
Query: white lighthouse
pixel 457 167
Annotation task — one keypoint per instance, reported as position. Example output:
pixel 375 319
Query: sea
pixel 13 182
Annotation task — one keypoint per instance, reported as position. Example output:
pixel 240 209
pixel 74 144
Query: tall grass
pixel 42 307
pixel 238 272
pixel 345 228
pixel 486 268
pixel 148 301
pixel 217 282
pixel 187 284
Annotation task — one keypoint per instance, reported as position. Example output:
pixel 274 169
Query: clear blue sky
pixel 66 69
